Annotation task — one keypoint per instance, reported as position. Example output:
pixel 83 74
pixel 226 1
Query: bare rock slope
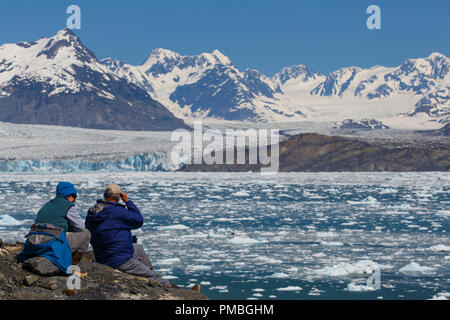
pixel 101 283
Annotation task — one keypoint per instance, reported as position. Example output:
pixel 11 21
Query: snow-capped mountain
pixel 59 81
pixel 299 73
pixel 414 94
pixel 206 85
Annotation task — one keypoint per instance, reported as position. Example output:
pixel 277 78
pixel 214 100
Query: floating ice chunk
pixel 388 190
pixel 368 200
pixel 154 194
pixel 215 235
pixel 174 227
pixel 219 288
pixel 440 248
pixel 414 267
pixel 315 292
pixel 346 269
pixel 328 234
pixel 169 261
pixel 359 288
pixel 441 296
pixel 246 240
pixel 169 277
pixel 319 255
pixel 279 275
pixel 443 213
pixel 224 220
pixel 241 193
pixel 196 236
pixel 258 290
pixel 331 243
pixel 292 269
pixel 205 283
pixel 268 260
pixel 258 295
pixel 290 288
pixel 200 268
pixel 371 199
pixel 7 220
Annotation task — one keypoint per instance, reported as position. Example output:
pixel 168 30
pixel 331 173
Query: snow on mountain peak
pixel 216 57
pixel 223 59
pixel 438 55
pixel 65 34
pixel 161 53
pixel 298 72
pixel 56 61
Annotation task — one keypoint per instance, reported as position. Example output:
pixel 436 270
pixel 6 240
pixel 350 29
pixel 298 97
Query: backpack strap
pixel 44 234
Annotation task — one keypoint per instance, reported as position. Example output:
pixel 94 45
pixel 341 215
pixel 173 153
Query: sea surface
pixel 288 236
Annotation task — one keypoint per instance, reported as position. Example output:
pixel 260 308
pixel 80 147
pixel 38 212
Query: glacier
pixel 137 162
pixel 58 149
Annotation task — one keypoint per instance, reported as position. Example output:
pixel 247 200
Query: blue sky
pixel 265 35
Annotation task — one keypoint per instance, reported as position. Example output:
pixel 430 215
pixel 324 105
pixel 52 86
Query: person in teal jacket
pixel 62 212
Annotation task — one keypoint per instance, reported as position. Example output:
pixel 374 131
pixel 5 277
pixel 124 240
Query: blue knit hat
pixel 65 189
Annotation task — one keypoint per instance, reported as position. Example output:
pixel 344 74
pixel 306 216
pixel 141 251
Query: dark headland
pixel 311 152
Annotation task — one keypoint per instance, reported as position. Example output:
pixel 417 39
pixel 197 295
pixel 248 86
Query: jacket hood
pixel 99 212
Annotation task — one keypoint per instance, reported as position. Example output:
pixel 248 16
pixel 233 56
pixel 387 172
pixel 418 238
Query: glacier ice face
pixel 137 162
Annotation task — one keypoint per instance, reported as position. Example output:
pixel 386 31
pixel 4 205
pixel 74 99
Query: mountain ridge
pixel 414 95
pixel 58 81
pixel 421 85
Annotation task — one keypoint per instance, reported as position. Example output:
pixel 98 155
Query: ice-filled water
pixel 289 236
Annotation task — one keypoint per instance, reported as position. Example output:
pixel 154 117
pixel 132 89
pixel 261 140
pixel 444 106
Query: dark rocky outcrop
pixel 132 108
pixel 445 131
pixel 101 282
pixel 312 152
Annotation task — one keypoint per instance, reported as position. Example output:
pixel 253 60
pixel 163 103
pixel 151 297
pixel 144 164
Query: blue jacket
pixel 110 225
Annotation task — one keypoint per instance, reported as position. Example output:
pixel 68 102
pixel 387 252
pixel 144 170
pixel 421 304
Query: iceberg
pixel 440 248
pixel 358 288
pixel 414 267
pixel 7 220
pixel 246 240
pixel 363 267
pixel 290 288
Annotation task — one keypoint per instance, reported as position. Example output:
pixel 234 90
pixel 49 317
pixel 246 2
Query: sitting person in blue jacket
pixel 110 224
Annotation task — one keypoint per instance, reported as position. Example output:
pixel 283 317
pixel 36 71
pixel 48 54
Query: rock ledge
pixel 101 283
